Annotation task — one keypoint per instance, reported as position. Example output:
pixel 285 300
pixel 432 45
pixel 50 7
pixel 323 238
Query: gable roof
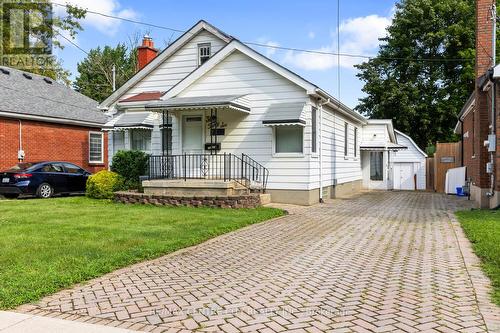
pixel 236 45
pixel 232 45
pixel 388 123
pixel 412 142
pixel 162 56
pixel 26 95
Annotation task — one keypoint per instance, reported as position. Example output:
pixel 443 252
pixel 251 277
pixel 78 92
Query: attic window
pixel 29 77
pixel 47 80
pixel 3 70
pixel 204 53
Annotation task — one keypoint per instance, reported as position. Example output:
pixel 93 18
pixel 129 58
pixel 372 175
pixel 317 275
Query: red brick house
pixel 478 120
pixel 41 119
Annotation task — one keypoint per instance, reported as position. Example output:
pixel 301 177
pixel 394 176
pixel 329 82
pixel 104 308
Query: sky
pixel 298 24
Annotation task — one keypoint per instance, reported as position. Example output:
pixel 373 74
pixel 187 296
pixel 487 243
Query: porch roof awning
pixel 132 120
pixel 236 102
pixel 378 146
pixel 282 114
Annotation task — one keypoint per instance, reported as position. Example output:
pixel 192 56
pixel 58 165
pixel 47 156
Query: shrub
pixel 102 184
pixel 130 164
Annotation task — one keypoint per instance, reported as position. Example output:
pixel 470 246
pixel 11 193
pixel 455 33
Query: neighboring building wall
pixel 177 66
pixel 47 141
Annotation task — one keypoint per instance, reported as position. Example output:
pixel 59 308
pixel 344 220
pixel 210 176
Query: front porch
pixel 184 137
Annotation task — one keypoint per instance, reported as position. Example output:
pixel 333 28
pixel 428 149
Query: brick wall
pixel 47 141
pixel 483 100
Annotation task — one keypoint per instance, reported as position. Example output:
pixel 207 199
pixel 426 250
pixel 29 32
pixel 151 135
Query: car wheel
pixel 11 196
pixel 44 191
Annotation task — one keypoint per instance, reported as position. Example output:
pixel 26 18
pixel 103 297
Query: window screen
pixel 140 139
pixel 289 139
pixel 377 165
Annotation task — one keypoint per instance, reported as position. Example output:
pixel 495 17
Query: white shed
pixel 408 165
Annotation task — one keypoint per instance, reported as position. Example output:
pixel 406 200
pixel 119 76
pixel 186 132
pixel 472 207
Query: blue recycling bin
pixel 460 191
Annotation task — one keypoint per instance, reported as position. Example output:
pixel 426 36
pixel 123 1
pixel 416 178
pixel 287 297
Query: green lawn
pixel 482 227
pixel 46 245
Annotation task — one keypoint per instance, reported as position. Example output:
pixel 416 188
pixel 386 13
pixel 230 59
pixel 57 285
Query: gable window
pixel 314 135
pixel 376 165
pixel 288 139
pixel 96 147
pixel 355 141
pixel 346 139
pixel 204 53
pixel 140 139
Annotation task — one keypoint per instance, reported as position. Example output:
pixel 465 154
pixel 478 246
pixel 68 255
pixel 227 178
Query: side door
pixel 76 177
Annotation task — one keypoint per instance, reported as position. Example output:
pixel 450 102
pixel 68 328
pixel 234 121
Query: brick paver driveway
pixel 377 263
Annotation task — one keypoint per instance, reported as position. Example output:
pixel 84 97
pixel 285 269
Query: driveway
pixel 381 262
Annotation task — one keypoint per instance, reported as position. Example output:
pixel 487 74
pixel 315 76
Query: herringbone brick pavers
pixel 381 262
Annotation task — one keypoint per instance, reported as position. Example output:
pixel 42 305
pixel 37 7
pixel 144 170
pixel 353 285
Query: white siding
pixel 411 155
pixel 337 168
pixel 239 74
pixel 177 66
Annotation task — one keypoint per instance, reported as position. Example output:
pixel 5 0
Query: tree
pixel 95 71
pixel 48 27
pixel 424 70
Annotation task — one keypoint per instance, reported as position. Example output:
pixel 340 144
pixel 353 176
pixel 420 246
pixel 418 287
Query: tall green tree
pixel 45 25
pixel 95 76
pixel 419 78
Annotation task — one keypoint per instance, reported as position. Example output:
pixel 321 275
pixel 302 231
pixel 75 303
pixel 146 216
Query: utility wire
pixel 279 47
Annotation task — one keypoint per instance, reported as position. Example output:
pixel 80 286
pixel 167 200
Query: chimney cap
pixel 147 37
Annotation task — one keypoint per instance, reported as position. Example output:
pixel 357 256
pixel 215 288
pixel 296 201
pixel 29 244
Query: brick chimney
pixel 484 34
pixel 146 52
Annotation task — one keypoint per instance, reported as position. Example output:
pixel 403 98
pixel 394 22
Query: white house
pixel 210 107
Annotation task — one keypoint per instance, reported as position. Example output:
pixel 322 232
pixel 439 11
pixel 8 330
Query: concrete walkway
pixel 11 322
pixel 381 262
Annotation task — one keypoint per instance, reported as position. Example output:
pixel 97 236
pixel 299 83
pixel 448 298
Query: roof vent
pixel 3 70
pixel 29 77
pixel 47 80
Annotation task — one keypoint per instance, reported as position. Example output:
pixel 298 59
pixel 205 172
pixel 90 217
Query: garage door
pixel 403 176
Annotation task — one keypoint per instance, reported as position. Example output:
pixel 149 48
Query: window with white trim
pixel 314 133
pixel 96 147
pixel 346 139
pixel 355 142
pixel 377 165
pixel 204 53
pixel 288 139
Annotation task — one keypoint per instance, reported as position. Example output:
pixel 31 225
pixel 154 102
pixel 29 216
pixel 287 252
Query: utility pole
pixel 113 70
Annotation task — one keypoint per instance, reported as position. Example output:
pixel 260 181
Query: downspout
pixel 20 153
pixel 320 147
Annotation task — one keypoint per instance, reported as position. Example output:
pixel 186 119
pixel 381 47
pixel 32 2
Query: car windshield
pixel 21 167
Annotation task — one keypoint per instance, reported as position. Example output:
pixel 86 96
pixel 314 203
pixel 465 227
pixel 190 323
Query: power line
pixel 338 54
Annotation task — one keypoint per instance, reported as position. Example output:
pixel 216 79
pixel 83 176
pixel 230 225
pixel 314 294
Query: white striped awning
pixel 132 120
pixel 284 114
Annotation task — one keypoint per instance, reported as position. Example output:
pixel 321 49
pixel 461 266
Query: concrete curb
pixel 12 322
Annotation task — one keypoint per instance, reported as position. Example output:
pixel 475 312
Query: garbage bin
pixel 460 191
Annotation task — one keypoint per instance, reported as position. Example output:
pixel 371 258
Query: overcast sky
pixel 299 24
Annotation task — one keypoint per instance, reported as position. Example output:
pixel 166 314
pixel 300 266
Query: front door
pixel 403 176
pixel 192 146
pixel 192 135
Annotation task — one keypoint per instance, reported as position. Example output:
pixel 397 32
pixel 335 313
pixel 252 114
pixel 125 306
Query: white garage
pixel 408 165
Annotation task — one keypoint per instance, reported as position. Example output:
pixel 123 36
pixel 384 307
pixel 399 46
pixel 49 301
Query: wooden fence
pixel 447 156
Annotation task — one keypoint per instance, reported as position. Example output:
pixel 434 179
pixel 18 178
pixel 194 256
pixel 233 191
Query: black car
pixel 43 179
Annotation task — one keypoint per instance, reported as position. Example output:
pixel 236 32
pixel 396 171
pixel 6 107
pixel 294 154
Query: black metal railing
pixel 227 167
